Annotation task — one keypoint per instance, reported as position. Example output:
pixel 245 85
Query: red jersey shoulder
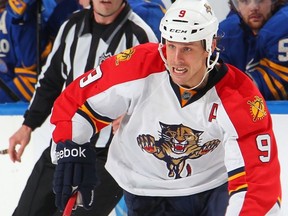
pixel 135 62
pixel 237 84
pixel 241 97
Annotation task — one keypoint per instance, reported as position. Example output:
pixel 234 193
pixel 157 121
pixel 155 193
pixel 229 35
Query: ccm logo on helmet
pixel 65 153
pixel 178 31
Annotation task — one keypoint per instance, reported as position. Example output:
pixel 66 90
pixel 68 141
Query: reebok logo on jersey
pixel 65 153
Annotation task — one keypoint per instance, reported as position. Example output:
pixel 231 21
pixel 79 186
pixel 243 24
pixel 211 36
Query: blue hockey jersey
pixel 264 57
pixel 53 12
pixel 18 45
pixel 151 12
pixel 17 59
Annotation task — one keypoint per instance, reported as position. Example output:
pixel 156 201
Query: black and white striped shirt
pixel 81 44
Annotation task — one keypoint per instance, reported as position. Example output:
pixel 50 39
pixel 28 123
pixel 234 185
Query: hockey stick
pixel 4 151
pixel 8 91
pixel 70 205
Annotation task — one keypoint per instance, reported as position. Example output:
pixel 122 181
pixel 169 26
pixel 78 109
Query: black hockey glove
pixel 75 171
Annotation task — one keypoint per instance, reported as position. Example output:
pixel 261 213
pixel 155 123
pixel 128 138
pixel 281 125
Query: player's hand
pixel 75 171
pixel 21 137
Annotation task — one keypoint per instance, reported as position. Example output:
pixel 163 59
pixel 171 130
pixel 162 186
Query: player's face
pixel 105 11
pixel 255 13
pixel 186 62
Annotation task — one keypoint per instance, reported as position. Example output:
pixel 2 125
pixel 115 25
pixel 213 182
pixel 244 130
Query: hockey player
pixel 17 57
pixel 84 41
pixel 53 12
pixel 18 48
pixel 191 125
pixel 253 41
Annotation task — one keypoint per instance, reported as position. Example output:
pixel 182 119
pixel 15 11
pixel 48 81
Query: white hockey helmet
pixel 188 21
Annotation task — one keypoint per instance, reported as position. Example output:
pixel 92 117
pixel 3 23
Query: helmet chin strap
pixel 210 65
pixel 160 46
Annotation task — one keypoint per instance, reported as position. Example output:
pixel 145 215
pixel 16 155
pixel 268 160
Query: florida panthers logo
pixel 124 56
pixel 257 108
pixel 177 144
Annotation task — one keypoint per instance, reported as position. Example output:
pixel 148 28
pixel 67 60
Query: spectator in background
pixel 151 11
pixel 83 42
pixel 167 3
pixel 255 39
pixel 18 47
pixel 18 73
pixel 53 12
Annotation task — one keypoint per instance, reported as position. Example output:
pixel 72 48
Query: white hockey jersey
pixel 173 141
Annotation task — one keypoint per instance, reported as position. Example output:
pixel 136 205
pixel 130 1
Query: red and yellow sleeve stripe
pixel 237 181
